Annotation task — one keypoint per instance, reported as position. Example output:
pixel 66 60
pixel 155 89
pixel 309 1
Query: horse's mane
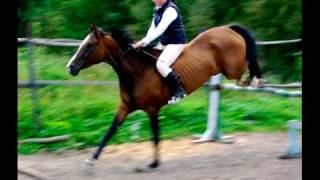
pixel 123 38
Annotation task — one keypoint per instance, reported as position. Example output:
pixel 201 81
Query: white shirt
pixel 169 15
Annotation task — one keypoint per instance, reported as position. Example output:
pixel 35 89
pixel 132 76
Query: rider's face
pixel 159 2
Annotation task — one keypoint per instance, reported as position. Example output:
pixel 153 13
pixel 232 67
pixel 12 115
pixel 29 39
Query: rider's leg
pixel 166 59
pixel 159 46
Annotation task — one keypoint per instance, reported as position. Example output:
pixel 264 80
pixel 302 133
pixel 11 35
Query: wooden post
pixel 32 77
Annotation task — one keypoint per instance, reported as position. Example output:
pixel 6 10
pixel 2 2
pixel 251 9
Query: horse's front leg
pixel 121 114
pixel 155 130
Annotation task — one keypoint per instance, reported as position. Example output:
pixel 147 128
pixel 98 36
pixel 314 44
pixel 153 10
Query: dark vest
pixel 175 33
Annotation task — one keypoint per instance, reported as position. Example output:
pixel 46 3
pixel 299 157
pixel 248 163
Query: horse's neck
pixel 131 71
pixel 131 66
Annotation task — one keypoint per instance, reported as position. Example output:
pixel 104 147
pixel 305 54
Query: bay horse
pixel 229 50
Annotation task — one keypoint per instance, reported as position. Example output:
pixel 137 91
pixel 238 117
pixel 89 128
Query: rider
pixel 167 24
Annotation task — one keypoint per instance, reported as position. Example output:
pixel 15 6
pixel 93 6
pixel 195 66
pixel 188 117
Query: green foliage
pixel 267 20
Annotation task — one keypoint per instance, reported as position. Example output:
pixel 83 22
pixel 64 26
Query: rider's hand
pixel 139 44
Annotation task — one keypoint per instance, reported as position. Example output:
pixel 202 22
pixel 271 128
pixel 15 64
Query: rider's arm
pixel 151 28
pixel 168 16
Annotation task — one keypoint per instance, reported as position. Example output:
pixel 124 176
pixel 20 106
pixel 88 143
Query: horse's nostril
pixel 71 67
pixel 72 70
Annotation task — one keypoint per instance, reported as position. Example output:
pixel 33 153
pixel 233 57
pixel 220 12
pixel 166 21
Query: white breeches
pixel 169 55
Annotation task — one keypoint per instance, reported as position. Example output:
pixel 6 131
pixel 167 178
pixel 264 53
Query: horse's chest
pixel 149 94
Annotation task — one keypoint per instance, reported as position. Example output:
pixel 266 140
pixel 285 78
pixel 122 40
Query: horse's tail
pixel 251 51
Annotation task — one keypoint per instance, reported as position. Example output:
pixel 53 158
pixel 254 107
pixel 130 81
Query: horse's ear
pixel 93 27
pixel 96 31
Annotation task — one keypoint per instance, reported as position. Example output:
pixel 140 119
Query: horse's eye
pixel 88 50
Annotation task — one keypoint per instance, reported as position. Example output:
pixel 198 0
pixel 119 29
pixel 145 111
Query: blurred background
pixel 86 111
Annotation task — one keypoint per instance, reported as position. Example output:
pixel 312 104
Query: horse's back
pixel 231 47
pixel 218 49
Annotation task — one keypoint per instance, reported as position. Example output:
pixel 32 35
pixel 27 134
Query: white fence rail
pixel 75 42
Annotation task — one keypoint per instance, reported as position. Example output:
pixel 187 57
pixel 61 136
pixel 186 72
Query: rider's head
pixel 159 3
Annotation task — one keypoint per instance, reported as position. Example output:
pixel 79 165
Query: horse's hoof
pixel 154 164
pixel 89 162
pixel 149 168
pixel 254 82
pixel 262 81
pixel 139 170
pixel 175 100
pixel 257 82
pixel 143 170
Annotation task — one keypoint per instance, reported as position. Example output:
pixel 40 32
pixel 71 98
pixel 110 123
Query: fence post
pixel 32 77
pixel 212 132
pixel 294 149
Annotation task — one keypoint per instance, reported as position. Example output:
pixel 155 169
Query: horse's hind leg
pixel 240 82
pixel 154 122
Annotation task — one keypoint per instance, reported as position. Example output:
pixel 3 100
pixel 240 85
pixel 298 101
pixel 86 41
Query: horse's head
pixel 92 50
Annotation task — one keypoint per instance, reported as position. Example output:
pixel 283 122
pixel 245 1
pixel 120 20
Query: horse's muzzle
pixel 73 71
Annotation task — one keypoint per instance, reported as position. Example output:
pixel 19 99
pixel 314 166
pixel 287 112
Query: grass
pixel 86 112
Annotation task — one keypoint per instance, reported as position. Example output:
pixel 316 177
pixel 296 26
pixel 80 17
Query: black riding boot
pixel 175 82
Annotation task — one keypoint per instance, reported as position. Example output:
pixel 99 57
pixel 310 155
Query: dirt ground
pixel 252 157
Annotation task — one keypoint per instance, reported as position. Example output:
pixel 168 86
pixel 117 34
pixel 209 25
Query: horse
pixel 228 49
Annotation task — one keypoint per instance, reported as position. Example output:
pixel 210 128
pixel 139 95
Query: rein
pixel 145 52
pixel 126 51
pixel 139 50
